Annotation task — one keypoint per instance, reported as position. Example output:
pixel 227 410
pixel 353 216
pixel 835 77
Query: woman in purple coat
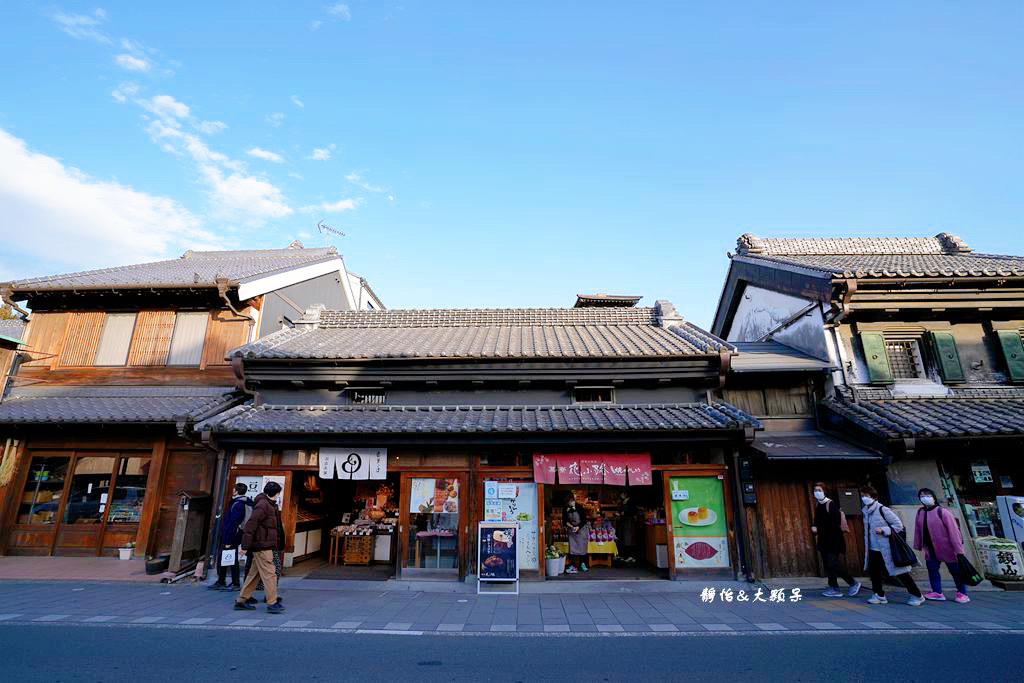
pixel 937 533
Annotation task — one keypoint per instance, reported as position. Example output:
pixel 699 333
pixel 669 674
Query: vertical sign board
pixel 699 523
pixel 498 549
pixel 516 502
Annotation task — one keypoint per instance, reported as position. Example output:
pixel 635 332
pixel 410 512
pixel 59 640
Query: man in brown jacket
pixel 263 535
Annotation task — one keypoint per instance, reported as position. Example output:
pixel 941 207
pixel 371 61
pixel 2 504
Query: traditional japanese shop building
pixel 116 366
pixel 413 426
pixel 923 338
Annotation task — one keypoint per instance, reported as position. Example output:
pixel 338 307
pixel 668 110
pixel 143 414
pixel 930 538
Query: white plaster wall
pixel 762 310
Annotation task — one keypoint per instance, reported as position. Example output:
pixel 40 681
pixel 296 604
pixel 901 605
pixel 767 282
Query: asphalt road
pixel 117 653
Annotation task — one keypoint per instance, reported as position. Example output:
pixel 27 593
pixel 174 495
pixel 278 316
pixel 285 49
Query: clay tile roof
pixel 113 404
pixel 935 417
pixel 293 419
pixel 944 255
pixel 193 269
pixel 490 333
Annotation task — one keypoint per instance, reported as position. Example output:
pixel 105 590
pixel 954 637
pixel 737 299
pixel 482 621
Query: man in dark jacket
pixel 231 537
pixel 828 527
pixel 262 535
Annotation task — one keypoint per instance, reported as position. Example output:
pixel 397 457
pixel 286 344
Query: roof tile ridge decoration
pixel 298 254
pixel 944 243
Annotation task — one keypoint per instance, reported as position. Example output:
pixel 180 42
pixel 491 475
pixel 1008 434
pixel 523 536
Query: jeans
pixel 222 571
pixel 936 581
pixel 834 570
pixel 877 570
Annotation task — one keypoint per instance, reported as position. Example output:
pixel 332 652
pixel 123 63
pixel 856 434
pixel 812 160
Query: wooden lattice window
pixel 904 359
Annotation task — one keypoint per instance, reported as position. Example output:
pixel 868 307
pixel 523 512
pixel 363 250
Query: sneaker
pixel 583 568
pixel 937 597
pixel 276 608
pixel 234 588
pixel 854 589
pixel 876 599
pixel 962 598
pixel 915 601
pixel 244 605
pixel 216 587
pixel 832 593
pixel 251 601
pixel 572 570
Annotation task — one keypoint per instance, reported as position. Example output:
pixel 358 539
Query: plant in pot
pixel 554 561
pixel 125 551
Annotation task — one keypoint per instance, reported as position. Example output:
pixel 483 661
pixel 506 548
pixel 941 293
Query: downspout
pixel 222 289
pixel 740 510
pixel 833 325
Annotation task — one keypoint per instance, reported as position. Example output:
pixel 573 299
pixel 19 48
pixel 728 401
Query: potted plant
pixel 554 560
pixel 126 551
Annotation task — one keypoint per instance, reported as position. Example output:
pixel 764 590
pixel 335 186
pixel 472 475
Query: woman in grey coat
pixel 879 523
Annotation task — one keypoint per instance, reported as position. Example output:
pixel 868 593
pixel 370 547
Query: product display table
pixel 601 553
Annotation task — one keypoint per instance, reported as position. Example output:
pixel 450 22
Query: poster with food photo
pixel 699 523
pixel 498 554
pixel 433 496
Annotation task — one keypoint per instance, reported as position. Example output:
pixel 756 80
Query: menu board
pixel 516 502
pixel 499 557
pixel 699 523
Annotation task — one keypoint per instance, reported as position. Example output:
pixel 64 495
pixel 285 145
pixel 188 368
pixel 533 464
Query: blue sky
pixel 504 154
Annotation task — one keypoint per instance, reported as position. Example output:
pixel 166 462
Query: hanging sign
pixel 568 469
pixel 544 468
pixel 981 471
pixel 639 470
pixel 354 463
pixel 591 469
pixel 615 470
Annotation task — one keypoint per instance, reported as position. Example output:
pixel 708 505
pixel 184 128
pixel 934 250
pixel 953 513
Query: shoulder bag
pixel 968 574
pixel 900 551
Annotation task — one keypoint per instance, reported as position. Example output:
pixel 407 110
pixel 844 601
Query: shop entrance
pixel 359 521
pixel 433 524
pixel 624 528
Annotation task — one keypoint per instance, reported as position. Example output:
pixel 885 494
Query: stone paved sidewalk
pixel 417 612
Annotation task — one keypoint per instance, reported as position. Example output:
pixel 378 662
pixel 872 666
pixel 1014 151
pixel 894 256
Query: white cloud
pixel 73 220
pixel 340 10
pixel 126 61
pixel 275 119
pixel 297 102
pixel 211 127
pixel 237 196
pixel 166 107
pixel 322 153
pixel 122 92
pixel 82 26
pixel 232 193
pixel 332 207
pixel 357 179
pixel 314 25
pixel 264 154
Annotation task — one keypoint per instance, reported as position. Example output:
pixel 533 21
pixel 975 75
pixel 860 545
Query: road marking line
pixel 771 626
pixel 100 619
pixel 246 622
pixel 610 628
pixel 51 617
pixel 347 624
pixel 823 625
pixel 196 621
pixel 717 627
pixel 5 617
pixel 877 624
pixel 147 620
pixel 385 632
pixel 296 624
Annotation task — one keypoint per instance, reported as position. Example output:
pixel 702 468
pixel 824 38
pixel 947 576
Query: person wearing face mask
pixel 879 523
pixel 828 532
pixel 937 533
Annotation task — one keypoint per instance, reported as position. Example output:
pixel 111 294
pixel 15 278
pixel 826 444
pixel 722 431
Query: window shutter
pixel 944 347
pixel 116 338
pixel 83 337
pixel 152 338
pixel 1013 352
pixel 189 334
pixel 877 359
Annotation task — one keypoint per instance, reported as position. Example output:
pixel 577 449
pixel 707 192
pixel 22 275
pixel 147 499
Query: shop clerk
pixel 575 520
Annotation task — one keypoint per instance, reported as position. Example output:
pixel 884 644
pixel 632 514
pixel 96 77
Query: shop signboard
pixel 498 554
pixel 699 523
pixel 516 502
pixel 353 463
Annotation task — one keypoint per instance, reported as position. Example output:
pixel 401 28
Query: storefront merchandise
pixel 516 502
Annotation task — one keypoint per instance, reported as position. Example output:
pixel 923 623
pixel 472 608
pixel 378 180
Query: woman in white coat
pixel 879 523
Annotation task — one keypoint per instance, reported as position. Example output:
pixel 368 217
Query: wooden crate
pixel 357 549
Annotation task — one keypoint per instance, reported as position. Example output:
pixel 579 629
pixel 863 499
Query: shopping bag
pixel 900 551
pixel 228 557
pixel 968 574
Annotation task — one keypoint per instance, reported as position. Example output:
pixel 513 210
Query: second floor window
pixel 115 339
pixel 904 359
pixel 593 395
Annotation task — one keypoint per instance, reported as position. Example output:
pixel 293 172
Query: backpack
pixel 842 518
